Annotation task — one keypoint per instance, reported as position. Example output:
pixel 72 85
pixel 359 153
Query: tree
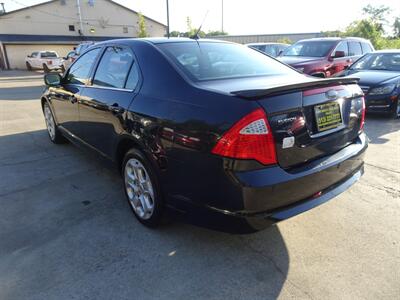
pixel 284 40
pixel 216 33
pixel 396 27
pixel 174 33
pixel 190 30
pixel 367 29
pixel 142 26
pixel 377 15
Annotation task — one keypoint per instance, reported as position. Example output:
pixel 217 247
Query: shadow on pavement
pixel 376 126
pixel 21 93
pixel 66 231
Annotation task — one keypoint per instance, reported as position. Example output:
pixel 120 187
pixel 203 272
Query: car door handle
pixel 73 99
pixel 116 108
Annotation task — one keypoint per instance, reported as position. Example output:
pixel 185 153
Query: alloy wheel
pixel 50 124
pixel 398 108
pixel 139 188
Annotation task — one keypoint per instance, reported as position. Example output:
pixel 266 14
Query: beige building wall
pixel 104 18
pixel 17 53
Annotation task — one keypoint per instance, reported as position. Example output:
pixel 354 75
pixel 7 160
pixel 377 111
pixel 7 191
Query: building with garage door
pixel 59 25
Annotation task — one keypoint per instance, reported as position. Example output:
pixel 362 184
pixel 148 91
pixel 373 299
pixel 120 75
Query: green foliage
pixel 365 28
pixel 377 15
pixel 142 26
pixel 216 33
pixel 333 33
pixel 284 40
pixel 175 33
pixel 396 27
pixel 372 28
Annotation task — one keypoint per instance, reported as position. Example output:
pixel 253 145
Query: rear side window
pixel 133 78
pixel 354 49
pixel 113 67
pixel 210 61
pixel 48 54
pixel 80 70
pixel 366 48
pixel 270 50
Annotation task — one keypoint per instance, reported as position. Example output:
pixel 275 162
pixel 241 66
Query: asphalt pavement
pixel 66 231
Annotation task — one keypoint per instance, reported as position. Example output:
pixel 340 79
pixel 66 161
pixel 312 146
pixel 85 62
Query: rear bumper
pixel 271 195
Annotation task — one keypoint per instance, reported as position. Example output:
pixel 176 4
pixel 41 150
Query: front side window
pixel 113 67
pixel 213 60
pixel 355 49
pixel 34 54
pixel 342 47
pixel 310 48
pixel 80 70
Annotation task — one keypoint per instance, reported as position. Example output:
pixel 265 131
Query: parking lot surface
pixel 66 231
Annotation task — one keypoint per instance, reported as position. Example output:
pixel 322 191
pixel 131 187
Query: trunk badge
pixel 332 94
pixel 288 142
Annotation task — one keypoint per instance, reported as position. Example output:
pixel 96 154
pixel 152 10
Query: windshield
pixel 48 54
pixel 310 48
pixel 378 61
pixel 208 60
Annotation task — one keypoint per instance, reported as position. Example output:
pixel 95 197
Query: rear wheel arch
pixel 123 146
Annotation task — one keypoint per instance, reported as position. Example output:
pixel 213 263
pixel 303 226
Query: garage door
pixel 16 53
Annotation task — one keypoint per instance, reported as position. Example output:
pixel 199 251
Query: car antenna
pixel 196 35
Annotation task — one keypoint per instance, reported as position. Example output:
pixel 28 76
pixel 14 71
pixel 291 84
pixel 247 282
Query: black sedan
pixel 379 74
pixel 213 131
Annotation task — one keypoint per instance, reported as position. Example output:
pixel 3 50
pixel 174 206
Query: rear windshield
pixel 379 61
pixel 48 54
pixel 210 61
pixel 310 48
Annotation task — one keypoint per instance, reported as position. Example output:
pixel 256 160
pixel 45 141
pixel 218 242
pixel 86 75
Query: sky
pixel 250 16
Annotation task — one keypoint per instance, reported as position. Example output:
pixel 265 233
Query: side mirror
pixel 338 54
pixel 52 79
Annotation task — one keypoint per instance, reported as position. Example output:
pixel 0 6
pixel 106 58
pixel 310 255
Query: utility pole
pixel 78 4
pixel 222 11
pixel 167 18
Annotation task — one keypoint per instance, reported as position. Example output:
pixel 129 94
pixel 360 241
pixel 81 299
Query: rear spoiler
pixel 255 94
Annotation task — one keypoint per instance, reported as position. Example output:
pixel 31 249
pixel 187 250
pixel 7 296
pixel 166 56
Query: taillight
pixel 362 114
pixel 250 138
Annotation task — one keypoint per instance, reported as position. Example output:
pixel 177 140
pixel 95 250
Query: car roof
pixel 335 39
pixel 387 51
pixel 261 44
pixel 160 40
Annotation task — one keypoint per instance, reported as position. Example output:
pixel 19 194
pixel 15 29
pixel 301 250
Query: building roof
pixel 50 1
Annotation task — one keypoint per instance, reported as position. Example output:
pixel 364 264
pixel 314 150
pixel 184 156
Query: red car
pixel 324 57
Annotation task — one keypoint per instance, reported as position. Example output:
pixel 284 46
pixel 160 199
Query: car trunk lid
pixel 313 122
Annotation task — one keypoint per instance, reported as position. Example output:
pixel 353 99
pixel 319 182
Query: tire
pixel 28 66
pixel 46 68
pixel 396 109
pixel 54 133
pixel 142 189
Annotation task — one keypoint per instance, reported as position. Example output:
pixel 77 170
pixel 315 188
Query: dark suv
pixel 324 57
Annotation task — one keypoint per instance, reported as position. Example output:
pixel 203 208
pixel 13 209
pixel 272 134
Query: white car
pixel 44 60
